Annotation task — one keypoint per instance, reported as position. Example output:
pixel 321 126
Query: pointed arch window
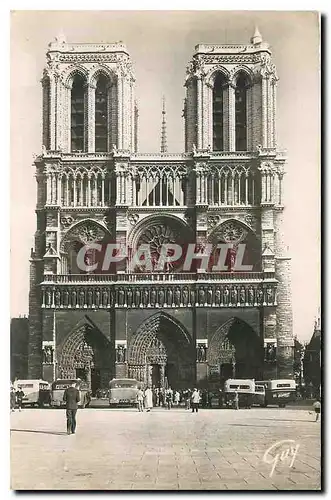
pixel 241 112
pixel 78 114
pixel 218 113
pixel 101 114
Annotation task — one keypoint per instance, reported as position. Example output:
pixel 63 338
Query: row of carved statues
pixel 270 354
pixel 171 296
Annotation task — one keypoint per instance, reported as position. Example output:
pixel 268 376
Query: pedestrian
pixel 188 399
pixel 236 401
pixel 317 408
pixel 140 399
pixel 71 397
pixel 195 400
pixel 157 397
pixel 161 397
pixel 177 398
pixel 148 399
pixel 168 398
pixel 12 399
pixel 19 397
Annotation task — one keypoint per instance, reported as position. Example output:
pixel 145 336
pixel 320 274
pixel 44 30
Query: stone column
pixel 274 110
pixel 249 119
pixel 209 107
pixel 53 100
pixel 199 113
pixel 61 120
pixel 110 125
pixel 205 118
pixel 264 112
pixel 48 189
pixel 132 117
pixel 86 117
pixel 269 114
pixel 126 113
pixel 232 118
pixel 59 190
pixel 91 118
pixel 120 113
pixel 66 133
pixel 89 191
pixel 75 191
pixel 198 186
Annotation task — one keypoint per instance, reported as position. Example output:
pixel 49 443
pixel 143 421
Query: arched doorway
pixel 161 353
pixel 235 351
pixel 85 354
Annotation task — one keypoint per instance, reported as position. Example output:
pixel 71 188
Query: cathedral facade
pixel 172 326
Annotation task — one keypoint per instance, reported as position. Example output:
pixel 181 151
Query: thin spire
pixel 164 148
pixel 257 37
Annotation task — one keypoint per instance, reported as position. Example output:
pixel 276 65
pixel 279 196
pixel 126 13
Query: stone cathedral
pixel 170 327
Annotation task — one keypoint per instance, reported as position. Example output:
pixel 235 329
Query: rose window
pixel 155 236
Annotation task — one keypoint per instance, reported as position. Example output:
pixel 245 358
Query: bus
pixel 59 386
pixel 279 392
pixel 259 395
pixel 37 392
pixel 123 391
pixel 245 389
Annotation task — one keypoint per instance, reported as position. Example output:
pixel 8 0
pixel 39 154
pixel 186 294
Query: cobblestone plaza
pixel 163 450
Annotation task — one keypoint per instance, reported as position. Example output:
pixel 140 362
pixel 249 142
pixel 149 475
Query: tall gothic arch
pixel 237 350
pixel 161 353
pixel 85 353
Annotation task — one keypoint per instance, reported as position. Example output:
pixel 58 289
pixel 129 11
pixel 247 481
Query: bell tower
pixel 231 97
pixel 88 98
pixel 230 124
pixel 89 115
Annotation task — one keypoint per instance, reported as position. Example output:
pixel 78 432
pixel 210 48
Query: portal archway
pixel 85 354
pixel 161 353
pixel 236 351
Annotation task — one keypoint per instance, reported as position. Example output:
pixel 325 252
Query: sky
pixel 161 43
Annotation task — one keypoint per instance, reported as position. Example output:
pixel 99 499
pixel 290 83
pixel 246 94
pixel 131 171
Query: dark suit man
pixel 71 397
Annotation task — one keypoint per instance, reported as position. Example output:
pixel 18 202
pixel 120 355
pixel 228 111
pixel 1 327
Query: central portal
pixel 156 376
pixel 161 353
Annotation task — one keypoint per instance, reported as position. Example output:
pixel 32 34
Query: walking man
pixel 168 397
pixel 71 397
pixel 317 408
pixel 19 397
pixel 188 399
pixel 12 399
pixel 236 401
pixel 195 400
pixel 140 399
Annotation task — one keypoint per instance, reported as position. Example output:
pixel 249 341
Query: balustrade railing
pixel 157 277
